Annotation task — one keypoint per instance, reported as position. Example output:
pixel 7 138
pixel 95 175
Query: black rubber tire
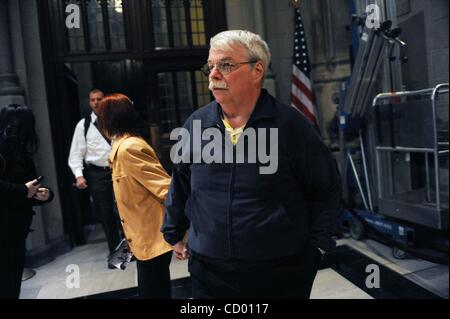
pixel 357 230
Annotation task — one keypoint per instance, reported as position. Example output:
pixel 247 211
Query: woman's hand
pixel 32 188
pixel 42 194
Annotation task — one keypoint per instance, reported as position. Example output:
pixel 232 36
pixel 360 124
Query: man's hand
pixel 81 182
pixel 42 194
pixel 180 250
pixel 32 189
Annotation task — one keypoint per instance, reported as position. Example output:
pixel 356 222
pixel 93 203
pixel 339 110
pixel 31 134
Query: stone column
pixel 10 89
pixel 48 239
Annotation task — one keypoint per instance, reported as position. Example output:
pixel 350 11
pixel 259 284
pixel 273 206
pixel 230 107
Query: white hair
pixel 256 47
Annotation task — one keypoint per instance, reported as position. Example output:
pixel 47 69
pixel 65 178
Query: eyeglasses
pixel 224 67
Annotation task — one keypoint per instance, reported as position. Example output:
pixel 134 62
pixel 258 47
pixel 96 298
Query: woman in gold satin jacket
pixel 140 187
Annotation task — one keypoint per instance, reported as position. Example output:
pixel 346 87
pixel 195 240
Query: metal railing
pixel 433 93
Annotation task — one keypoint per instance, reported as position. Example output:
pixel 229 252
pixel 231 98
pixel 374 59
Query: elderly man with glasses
pixel 251 235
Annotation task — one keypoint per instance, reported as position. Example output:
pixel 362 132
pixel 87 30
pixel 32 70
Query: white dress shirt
pixel 93 149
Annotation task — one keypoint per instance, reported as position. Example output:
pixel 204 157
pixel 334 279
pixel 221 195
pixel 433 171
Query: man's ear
pixel 259 70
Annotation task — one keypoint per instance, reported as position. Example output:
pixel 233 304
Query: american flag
pixel 302 96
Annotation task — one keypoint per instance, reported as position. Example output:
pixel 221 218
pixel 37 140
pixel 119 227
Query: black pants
pixel 12 258
pixel 154 277
pixel 287 278
pixel 101 189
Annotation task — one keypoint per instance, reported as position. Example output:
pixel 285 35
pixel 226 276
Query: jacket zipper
pixel 230 198
pixel 229 210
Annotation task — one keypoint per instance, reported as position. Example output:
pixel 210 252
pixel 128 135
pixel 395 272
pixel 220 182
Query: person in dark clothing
pixel 257 228
pixel 19 192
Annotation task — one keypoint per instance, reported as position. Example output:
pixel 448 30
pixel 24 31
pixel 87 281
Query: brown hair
pixel 118 115
pixel 95 91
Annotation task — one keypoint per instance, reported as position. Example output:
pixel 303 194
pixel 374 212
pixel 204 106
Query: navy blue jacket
pixel 233 212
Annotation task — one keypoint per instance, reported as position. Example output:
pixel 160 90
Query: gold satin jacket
pixel 140 187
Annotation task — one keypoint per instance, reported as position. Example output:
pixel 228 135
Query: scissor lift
pixel 402 147
pixel 411 164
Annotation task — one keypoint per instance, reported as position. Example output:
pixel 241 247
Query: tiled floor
pixel 330 285
pixel 342 276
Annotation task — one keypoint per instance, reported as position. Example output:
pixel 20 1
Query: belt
pixel 98 168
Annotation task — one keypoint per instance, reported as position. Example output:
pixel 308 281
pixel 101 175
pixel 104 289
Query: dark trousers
pixel 287 278
pixel 154 277
pixel 101 189
pixel 12 259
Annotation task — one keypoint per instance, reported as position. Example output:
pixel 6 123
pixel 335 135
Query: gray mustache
pixel 217 85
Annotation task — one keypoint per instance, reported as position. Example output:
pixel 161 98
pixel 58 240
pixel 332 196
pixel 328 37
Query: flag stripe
pixel 299 106
pixel 302 87
pixel 303 99
pixel 302 77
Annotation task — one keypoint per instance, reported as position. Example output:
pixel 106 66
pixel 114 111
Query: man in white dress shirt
pixel 88 161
